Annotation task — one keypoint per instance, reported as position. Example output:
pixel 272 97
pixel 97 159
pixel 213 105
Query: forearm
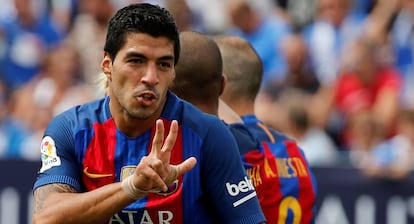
pixel 380 19
pixel 385 110
pixel 95 206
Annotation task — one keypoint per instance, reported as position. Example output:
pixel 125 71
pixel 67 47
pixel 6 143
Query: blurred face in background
pixel 359 60
pixel 242 15
pixel 295 52
pixel 28 10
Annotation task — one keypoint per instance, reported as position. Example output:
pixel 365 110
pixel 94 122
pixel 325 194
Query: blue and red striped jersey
pixel 83 148
pixel 280 173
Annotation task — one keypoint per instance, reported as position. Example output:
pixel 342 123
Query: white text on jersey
pixel 164 217
pixel 242 187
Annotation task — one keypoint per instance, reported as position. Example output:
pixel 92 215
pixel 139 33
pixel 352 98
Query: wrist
pixel 131 190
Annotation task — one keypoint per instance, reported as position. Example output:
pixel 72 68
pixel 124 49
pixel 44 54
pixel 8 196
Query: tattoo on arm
pixel 41 193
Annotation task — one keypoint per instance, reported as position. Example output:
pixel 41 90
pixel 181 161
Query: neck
pixel 242 107
pixel 210 109
pixel 227 114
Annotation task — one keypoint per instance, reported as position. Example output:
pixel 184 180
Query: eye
pixel 165 65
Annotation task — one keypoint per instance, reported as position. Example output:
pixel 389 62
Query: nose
pixel 151 75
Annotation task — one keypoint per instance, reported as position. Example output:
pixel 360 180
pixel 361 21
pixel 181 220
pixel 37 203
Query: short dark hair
pixel 141 18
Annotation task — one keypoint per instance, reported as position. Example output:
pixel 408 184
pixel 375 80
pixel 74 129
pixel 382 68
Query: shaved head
pixel 242 68
pixel 199 78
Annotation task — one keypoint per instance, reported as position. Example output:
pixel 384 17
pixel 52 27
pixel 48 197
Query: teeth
pixel 147 96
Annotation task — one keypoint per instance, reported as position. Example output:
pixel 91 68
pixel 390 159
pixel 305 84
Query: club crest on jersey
pixel 48 154
pixel 126 171
pixel 171 189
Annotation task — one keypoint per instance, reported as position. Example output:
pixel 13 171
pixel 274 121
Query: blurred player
pixel 280 172
pixel 111 160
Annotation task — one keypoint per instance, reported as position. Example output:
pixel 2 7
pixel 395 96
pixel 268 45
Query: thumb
pixel 180 169
pixel 186 166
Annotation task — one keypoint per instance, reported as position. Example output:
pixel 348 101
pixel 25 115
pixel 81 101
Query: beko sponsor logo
pixel 244 186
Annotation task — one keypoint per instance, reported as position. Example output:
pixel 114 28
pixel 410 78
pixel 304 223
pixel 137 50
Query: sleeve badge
pixel 48 154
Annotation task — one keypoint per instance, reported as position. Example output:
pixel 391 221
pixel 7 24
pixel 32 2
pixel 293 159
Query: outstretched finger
pixel 158 138
pixel 165 153
pixel 171 138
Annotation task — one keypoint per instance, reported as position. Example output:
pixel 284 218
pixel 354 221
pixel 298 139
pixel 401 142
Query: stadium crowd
pixel 337 73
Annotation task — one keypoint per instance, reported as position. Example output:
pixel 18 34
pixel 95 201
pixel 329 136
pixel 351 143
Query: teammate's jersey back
pixel 284 182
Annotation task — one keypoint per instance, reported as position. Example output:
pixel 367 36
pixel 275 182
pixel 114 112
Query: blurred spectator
pixel 367 86
pixel 290 114
pixel 366 136
pixel 264 32
pixel 334 27
pixel 319 148
pixel 372 30
pixel 392 158
pixel 299 73
pixel 299 76
pixel 88 36
pixel 26 38
pixel 185 18
pixel 55 89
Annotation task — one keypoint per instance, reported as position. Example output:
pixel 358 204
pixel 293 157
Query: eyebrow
pixel 139 55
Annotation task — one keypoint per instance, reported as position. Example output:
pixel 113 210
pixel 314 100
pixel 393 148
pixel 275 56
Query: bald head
pixel 199 77
pixel 242 68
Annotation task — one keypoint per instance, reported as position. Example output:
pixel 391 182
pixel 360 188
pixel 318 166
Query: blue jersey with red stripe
pixel 83 148
pixel 283 180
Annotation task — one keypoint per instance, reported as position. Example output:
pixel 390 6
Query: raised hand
pixel 154 173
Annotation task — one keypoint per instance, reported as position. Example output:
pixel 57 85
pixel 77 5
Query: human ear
pixel 106 65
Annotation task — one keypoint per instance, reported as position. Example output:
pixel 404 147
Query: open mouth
pixel 147 99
